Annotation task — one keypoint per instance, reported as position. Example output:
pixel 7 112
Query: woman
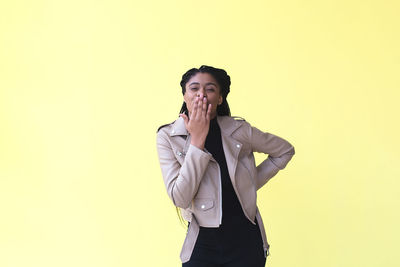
pixel 208 167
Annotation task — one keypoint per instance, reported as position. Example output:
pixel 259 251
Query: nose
pixel 202 92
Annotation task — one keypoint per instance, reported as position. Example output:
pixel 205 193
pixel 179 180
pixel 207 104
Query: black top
pixel 230 204
pixel 236 234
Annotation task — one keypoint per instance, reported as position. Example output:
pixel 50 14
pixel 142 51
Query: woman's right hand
pixel 199 123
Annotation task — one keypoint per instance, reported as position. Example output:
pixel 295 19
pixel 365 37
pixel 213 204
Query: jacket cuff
pixel 199 152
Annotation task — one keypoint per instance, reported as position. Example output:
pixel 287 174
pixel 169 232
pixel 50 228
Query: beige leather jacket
pixel 190 174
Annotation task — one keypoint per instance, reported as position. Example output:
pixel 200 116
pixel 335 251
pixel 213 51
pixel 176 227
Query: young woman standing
pixel 208 167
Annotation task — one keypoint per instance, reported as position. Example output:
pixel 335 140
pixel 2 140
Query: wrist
pixel 198 144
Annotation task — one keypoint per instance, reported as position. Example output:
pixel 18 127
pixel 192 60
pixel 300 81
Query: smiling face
pixel 203 84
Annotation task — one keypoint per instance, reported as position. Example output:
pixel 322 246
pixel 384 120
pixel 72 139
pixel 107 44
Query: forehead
pixel 202 78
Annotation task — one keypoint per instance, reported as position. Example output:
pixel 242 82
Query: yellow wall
pixel 85 84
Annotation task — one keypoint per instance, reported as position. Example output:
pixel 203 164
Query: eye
pixel 194 88
pixel 210 89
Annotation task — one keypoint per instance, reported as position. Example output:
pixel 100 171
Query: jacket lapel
pixel 179 129
pixel 231 146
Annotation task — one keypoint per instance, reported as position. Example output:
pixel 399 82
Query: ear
pixel 220 100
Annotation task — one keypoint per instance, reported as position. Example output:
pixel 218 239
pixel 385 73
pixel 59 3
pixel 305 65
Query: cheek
pixel 214 100
pixel 188 101
pixel 189 97
pixel 186 98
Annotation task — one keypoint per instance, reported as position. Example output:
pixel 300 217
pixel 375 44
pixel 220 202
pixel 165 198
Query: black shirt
pixel 231 207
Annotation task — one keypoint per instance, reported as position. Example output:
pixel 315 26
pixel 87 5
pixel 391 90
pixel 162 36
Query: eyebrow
pixel 206 83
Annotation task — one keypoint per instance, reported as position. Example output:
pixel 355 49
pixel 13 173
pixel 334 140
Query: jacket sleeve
pixel 181 182
pixel 279 153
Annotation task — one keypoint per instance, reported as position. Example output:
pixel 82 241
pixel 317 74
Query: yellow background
pixel 85 84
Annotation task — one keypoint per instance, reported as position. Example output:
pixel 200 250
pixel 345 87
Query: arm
pixel 279 153
pixel 181 182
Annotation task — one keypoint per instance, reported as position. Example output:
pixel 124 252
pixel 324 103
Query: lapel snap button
pixel 203 207
pixel 238 146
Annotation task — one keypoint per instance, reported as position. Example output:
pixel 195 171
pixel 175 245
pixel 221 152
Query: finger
pixel 194 108
pixel 198 107
pixel 185 118
pixel 208 116
pixel 204 108
pixel 193 102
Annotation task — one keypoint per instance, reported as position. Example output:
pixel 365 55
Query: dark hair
pixel 223 80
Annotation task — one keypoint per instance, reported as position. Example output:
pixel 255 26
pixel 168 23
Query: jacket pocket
pixel 203 204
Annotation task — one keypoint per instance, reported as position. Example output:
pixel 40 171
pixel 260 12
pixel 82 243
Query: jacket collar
pixel 178 128
pixel 227 124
